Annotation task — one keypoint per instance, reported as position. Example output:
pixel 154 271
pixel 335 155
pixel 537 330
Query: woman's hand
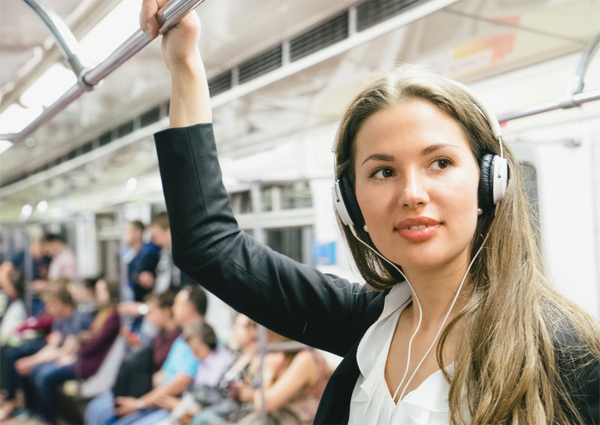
pixel 190 99
pixel 180 43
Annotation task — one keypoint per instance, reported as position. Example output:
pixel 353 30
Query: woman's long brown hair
pixel 505 355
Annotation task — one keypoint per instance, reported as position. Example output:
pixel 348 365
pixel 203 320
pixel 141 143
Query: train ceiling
pixel 469 40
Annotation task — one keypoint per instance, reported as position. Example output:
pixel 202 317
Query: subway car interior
pixel 85 237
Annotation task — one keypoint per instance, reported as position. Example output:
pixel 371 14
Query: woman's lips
pixel 418 229
pixel 419 234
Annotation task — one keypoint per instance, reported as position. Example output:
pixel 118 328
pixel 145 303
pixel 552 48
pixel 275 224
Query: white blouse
pixel 372 402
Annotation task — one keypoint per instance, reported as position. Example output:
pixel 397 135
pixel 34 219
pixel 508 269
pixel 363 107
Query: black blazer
pixel 295 300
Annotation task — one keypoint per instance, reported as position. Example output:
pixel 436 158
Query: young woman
pixel 464 326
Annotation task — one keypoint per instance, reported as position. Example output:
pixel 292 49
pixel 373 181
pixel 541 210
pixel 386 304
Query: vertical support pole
pixel 235 76
pixel 352 21
pixel 28 265
pixel 259 235
pixel 285 52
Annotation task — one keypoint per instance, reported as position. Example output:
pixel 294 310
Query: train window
pixel 530 186
pixel 241 202
pixel 296 195
pixel 267 198
pixel 295 242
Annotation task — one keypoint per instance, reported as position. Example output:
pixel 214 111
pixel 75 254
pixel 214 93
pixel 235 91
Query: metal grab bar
pixel 573 96
pixel 170 14
pixel 63 37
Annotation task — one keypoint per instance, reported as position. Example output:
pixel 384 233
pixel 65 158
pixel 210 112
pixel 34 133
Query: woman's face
pixel 416 184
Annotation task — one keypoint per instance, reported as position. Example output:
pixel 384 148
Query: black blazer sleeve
pixel 290 298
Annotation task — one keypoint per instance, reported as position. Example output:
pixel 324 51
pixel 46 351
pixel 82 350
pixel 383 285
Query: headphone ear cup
pixel 347 192
pixel 486 182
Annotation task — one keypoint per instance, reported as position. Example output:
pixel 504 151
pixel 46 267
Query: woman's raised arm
pixel 190 99
pixel 292 299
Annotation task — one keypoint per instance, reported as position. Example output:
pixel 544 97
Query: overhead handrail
pixel 63 37
pixel 170 14
pixel 573 96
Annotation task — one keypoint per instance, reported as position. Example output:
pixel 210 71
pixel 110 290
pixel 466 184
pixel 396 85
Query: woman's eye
pixel 384 173
pixel 441 163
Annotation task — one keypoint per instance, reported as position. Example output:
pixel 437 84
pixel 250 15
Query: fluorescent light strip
pixel 4 145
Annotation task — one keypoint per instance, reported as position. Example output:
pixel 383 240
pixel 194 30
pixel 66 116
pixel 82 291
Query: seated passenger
pixel 62 342
pixel 214 361
pixel 84 294
pixel 13 286
pixel 95 344
pixel 218 403
pixel 135 374
pixel 175 376
pixel 293 383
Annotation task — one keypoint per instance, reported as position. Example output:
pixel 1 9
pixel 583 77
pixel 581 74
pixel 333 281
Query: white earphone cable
pixel 420 310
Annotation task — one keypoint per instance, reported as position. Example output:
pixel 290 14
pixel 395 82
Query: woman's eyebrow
pixel 379 157
pixel 432 148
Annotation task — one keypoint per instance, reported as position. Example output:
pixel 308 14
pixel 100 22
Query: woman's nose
pixel 414 193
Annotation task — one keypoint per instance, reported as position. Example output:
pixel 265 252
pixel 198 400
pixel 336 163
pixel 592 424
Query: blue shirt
pixel 73 324
pixel 145 261
pixel 180 359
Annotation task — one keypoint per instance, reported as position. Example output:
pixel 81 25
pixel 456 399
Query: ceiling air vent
pixel 150 117
pixel 268 61
pixel 86 148
pixel 326 34
pixel 105 139
pixel 220 83
pixel 372 12
pixel 125 129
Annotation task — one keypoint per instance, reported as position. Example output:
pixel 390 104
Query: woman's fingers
pixel 148 19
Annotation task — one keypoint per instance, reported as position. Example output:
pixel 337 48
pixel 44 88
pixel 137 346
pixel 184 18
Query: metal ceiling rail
pixel 87 78
pixel 64 38
pixel 573 96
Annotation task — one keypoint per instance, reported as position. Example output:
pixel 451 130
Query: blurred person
pixel 293 383
pixel 62 342
pixel 160 312
pixel 62 265
pixel 15 314
pixel 95 345
pixel 40 261
pixel 220 402
pixel 158 280
pixel 38 271
pixel 84 294
pixel 135 374
pixel 176 374
pixel 214 361
pixel 167 274
pixel 141 270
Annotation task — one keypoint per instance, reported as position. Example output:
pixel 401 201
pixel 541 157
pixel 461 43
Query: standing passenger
pixel 455 333
pixel 167 274
pixel 64 263
pixel 141 270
